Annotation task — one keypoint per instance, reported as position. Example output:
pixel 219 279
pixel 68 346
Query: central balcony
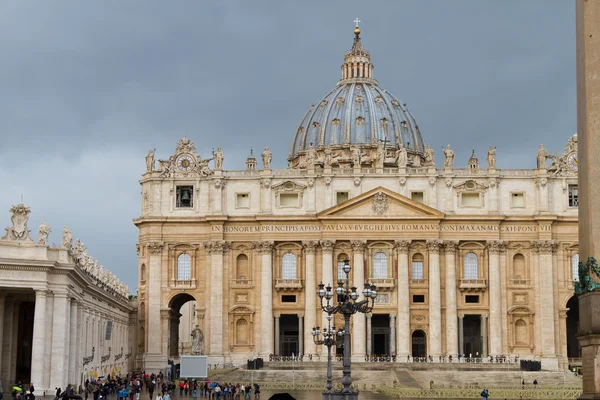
pixel 383 284
pixel 288 285
pixel 473 285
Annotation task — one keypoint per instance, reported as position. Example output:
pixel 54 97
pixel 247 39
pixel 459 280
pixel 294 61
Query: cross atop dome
pixel 357 61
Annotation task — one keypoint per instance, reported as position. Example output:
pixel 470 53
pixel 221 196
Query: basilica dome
pixel 357 112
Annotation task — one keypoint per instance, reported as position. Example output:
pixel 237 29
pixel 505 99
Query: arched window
pixel 242 267
pixel 519 267
pixel 340 265
pixel 417 266
pixel 288 266
pixel 470 266
pixel 380 267
pixel 143 272
pixel 575 266
pixel 184 267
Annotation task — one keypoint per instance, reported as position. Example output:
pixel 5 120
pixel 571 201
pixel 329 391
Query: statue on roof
pixel 449 157
pixel 491 157
pixel 67 239
pixel 150 161
pixel 19 218
pixel 429 157
pixel 542 156
pixel 266 158
pixel 219 158
pixel 401 156
pixel 43 233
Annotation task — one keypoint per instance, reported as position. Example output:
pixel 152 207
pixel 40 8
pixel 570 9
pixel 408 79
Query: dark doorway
pixel 380 334
pixel 419 344
pixel 24 341
pixel 174 317
pixel 472 335
pixel 573 350
pixel 288 335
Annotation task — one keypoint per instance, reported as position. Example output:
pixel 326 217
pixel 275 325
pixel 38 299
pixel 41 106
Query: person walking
pixel 159 396
pixel 485 394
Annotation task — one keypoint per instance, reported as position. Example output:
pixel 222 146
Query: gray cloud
pixel 89 87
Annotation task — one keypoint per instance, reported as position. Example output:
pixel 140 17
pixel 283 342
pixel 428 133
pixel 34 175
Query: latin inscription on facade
pixel 380 228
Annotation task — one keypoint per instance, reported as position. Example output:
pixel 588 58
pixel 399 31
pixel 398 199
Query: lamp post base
pixel 340 396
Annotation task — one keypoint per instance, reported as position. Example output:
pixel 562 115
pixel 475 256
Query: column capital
pixel 393 315
pixel 300 315
pixel 450 246
pixel 310 247
pixel 264 247
pixel 327 246
pixel 434 245
pixel 369 316
pixel 484 316
pixel 461 316
pixel 277 315
pixel 217 246
pixel 495 246
pixel 402 245
pixel 544 246
pixel 358 246
pixel 155 248
pixel 38 293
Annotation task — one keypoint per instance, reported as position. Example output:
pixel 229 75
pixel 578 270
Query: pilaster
pixel 435 306
pixel 266 298
pixel 496 329
pixel 450 286
pixel 358 327
pixel 403 300
pixel 310 298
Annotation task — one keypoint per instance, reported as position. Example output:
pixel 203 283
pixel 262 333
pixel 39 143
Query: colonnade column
pixel 358 329
pixel 38 345
pixel 266 298
pixel 369 342
pixel 59 323
pixel 310 300
pixel 403 301
pixel 74 340
pixel 301 334
pixel 7 338
pixel 277 337
pixel 153 334
pixel 545 249
pixel 451 318
pixel 435 307
pixel 494 247
pixel 48 345
pixel 484 335
pixel 392 334
pixel 461 335
pixel 327 274
pixel 2 304
pixel 216 249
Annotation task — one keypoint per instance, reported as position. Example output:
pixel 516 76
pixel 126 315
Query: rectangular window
pixel 418 298
pixel 472 299
pixel 288 298
pixel 184 197
pixel 418 197
pixel 288 199
pixel 242 200
pixel 573 196
pixel 417 270
pixel 342 197
pixel 470 200
pixel 380 265
pixel 517 200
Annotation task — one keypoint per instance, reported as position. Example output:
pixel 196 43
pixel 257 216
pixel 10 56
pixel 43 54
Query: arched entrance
pixel 182 320
pixel 419 344
pixel 573 350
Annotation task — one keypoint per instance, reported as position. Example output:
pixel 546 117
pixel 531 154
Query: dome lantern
pixel 357 61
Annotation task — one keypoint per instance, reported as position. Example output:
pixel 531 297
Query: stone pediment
pixel 381 203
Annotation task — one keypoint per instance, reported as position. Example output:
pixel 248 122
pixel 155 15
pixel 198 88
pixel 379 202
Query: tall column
pixel 216 250
pixel 266 299
pixel 38 344
pixel 392 334
pixel 12 372
pixel 75 338
pixel 7 345
pixel 59 324
pixel 301 334
pixel 67 339
pixel 451 317
pixel 461 335
pixel 153 333
pixel 80 343
pixel 435 306
pixel 588 129
pixel 358 328
pixel 546 306
pixel 327 275
pixel 494 248
pixel 165 316
pixel 310 299
pixel 48 346
pixel 403 306
pixel 369 342
pixel 2 305
pixel 484 335
pixel 277 338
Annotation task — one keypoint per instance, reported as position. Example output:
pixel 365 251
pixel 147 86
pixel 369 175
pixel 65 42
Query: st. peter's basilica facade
pixel 474 260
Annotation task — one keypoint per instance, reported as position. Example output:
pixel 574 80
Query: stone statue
pixel 266 158
pixel 203 168
pixel 43 233
pixel 491 157
pixel 416 161
pixel 197 340
pixel 311 156
pixel 380 155
pixel 401 156
pixel 219 158
pixel 328 157
pixel 150 161
pixel 449 157
pixel 19 218
pixel 67 239
pixel 356 155
pixel 542 155
pixel 429 157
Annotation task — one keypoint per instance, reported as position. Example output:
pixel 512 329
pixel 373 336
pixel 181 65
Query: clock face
pixel 185 162
pixel 572 161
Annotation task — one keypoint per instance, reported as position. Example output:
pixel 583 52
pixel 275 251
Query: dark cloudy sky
pixel 87 87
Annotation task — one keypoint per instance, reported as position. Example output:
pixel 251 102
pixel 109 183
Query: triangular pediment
pixel 381 203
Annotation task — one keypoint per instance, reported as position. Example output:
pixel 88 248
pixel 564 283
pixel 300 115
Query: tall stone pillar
pixel 277 337
pixel 266 298
pixel 310 298
pixel 48 346
pixel 216 249
pixel 546 306
pixel 2 305
pixel 484 335
pixel 451 317
pixel 392 334
pixel 74 340
pixel 461 334
pixel 358 328
pixel 154 361
pixel 38 345
pixel 58 377
pixel 403 306
pixel 588 128
pixel 494 248
pixel 327 276
pixel 435 306
pixel 301 334
pixel 369 337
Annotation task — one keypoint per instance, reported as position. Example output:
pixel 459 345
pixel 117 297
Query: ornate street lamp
pixel 348 303
pixel 330 338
